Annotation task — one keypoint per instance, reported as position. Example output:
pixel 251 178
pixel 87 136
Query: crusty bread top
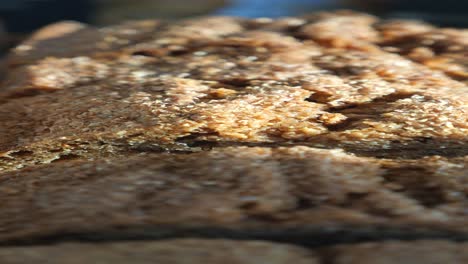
pixel 335 122
pixel 322 81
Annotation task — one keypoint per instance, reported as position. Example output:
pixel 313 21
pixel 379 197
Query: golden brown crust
pixel 225 80
pixel 320 125
pixel 440 49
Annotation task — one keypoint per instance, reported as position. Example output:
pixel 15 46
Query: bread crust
pixel 334 123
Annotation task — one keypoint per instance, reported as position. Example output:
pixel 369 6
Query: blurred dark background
pixel 18 17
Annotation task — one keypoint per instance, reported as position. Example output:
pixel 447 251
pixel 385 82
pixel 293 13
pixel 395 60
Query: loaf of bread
pixel 315 131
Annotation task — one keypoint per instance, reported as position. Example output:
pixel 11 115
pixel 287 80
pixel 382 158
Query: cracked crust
pixel 216 81
pixel 315 127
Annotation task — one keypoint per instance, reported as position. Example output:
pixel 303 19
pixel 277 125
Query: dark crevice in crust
pixel 21 153
pixel 145 53
pixel 312 238
pixel 326 256
pixel 66 157
pixel 410 179
pixel 368 111
pixel 389 98
pixel 414 149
